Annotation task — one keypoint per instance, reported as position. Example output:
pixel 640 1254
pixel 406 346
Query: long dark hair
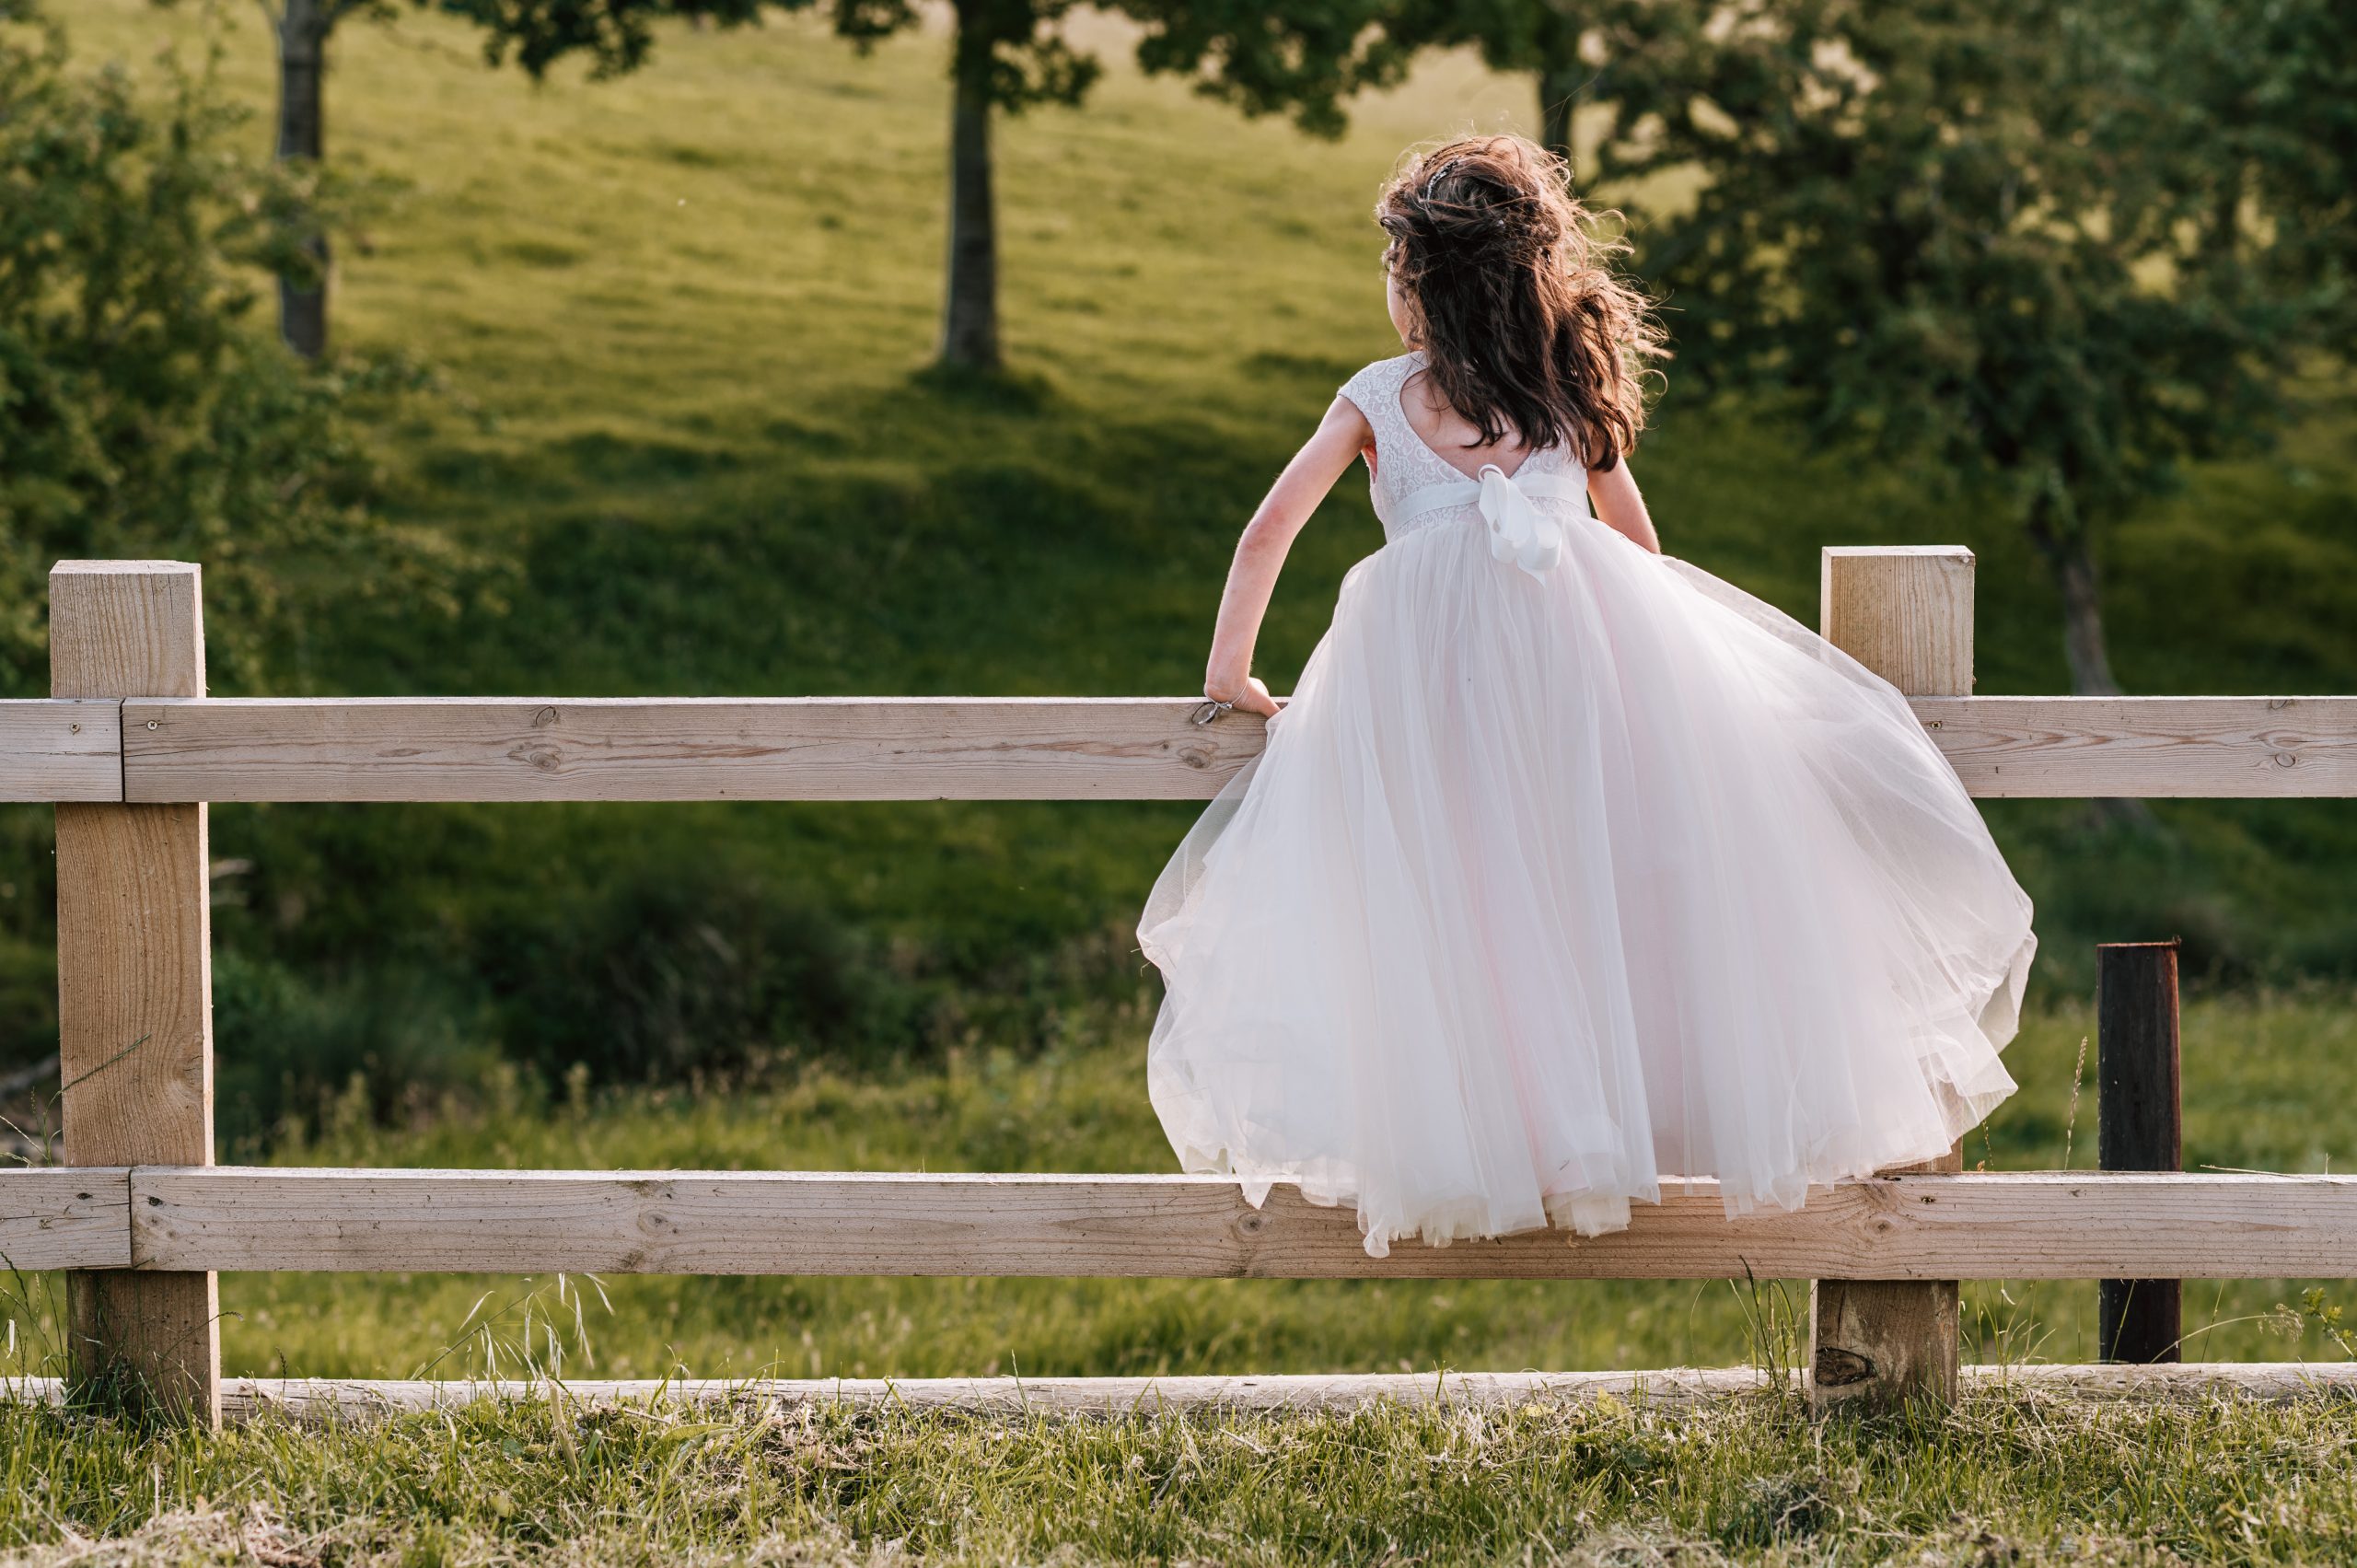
pixel 1523 325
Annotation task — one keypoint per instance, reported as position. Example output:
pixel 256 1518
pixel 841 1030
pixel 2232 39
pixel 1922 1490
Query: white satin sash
pixel 1521 534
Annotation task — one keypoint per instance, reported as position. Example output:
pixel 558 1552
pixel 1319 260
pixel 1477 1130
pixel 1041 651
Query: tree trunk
pixel 2083 641
pixel 1558 96
pixel 2083 649
pixel 302 65
pixel 970 305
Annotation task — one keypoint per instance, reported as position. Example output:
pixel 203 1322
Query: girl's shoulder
pixel 1375 384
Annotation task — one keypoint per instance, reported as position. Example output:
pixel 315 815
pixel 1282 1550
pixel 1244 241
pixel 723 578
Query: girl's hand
pixel 1252 697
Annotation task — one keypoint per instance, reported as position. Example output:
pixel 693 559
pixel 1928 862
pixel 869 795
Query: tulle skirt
pixel 1546 890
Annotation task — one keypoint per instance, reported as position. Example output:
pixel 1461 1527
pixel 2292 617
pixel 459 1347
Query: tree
pixel 140 414
pixel 1555 43
pixel 1305 59
pixel 1308 58
pixel 1968 236
pixel 300 29
pixel 615 30
pixel 2260 100
pixel 1007 56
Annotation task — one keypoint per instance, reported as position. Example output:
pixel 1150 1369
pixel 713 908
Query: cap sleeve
pixel 1361 388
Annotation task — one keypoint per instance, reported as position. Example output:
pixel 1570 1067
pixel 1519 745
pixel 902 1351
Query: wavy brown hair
pixel 1523 324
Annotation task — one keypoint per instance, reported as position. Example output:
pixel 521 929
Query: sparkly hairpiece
pixel 1434 178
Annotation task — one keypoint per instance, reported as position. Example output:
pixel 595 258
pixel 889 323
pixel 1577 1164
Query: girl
pixel 1567 864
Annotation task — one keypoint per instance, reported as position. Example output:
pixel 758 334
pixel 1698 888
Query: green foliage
pixel 678 974
pixel 2001 243
pixel 2264 96
pixel 1307 58
pixel 1956 234
pixel 140 414
pixel 616 35
pixel 299 1044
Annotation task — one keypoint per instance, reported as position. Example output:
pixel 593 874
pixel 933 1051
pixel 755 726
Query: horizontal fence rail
pixel 63 748
pixel 71 1218
pixel 520 748
pixel 2042 1224
pixel 341 1401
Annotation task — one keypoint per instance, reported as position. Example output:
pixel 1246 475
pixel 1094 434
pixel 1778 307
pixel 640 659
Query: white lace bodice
pixel 1416 488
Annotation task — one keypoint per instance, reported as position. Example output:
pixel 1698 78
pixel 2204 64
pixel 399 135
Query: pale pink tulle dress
pixel 1566 871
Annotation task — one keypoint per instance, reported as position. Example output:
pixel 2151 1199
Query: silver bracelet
pixel 1213 708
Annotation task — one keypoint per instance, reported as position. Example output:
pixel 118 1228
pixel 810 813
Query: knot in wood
pixel 543 718
pixel 1836 1368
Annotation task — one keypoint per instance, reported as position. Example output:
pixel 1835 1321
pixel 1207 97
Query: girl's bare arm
pixel 1619 506
pixel 1260 553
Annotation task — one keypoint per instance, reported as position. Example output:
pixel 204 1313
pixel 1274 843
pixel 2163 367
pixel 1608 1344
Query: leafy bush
pixel 289 1051
pixel 140 412
pixel 680 972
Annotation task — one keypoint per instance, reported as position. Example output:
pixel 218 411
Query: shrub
pixel 142 414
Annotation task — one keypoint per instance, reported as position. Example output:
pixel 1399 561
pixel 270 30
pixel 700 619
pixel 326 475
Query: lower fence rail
pixel 324 1400
pixel 2035 1224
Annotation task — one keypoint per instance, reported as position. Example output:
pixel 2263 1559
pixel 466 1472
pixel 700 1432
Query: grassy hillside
pixel 684 318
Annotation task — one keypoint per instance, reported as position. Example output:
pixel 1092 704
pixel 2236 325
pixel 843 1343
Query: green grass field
pixel 2002 1482
pixel 684 319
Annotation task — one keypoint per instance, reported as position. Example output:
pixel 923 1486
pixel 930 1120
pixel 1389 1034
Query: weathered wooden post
pixel 135 979
pixel 2139 1126
pixel 1905 613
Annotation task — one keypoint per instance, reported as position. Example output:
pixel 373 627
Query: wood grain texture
pixel 1907 615
pixel 324 1402
pixel 2016 1226
pixel 68 749
pixel 135 976
pixel 2139 1124
pixel 317 1401
pixel 1904 612
pixel 58 1218
pixel 125 628
pixel 2214 748
pixel 1074 747
pixel 134 1006
pixel 696 749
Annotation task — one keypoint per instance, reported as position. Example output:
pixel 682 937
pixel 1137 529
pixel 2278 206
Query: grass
pixel 2003 1480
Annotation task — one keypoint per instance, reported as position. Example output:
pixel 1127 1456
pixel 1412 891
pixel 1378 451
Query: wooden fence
pixel 130 748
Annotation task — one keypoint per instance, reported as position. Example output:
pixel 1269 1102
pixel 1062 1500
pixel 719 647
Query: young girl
pixel 1567 864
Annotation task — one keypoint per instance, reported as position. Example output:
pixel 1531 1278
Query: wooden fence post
pixel 2139 1126
pixel 134 981
pixel 1905 613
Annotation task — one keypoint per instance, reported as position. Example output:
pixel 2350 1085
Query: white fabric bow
pixel 1520 533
